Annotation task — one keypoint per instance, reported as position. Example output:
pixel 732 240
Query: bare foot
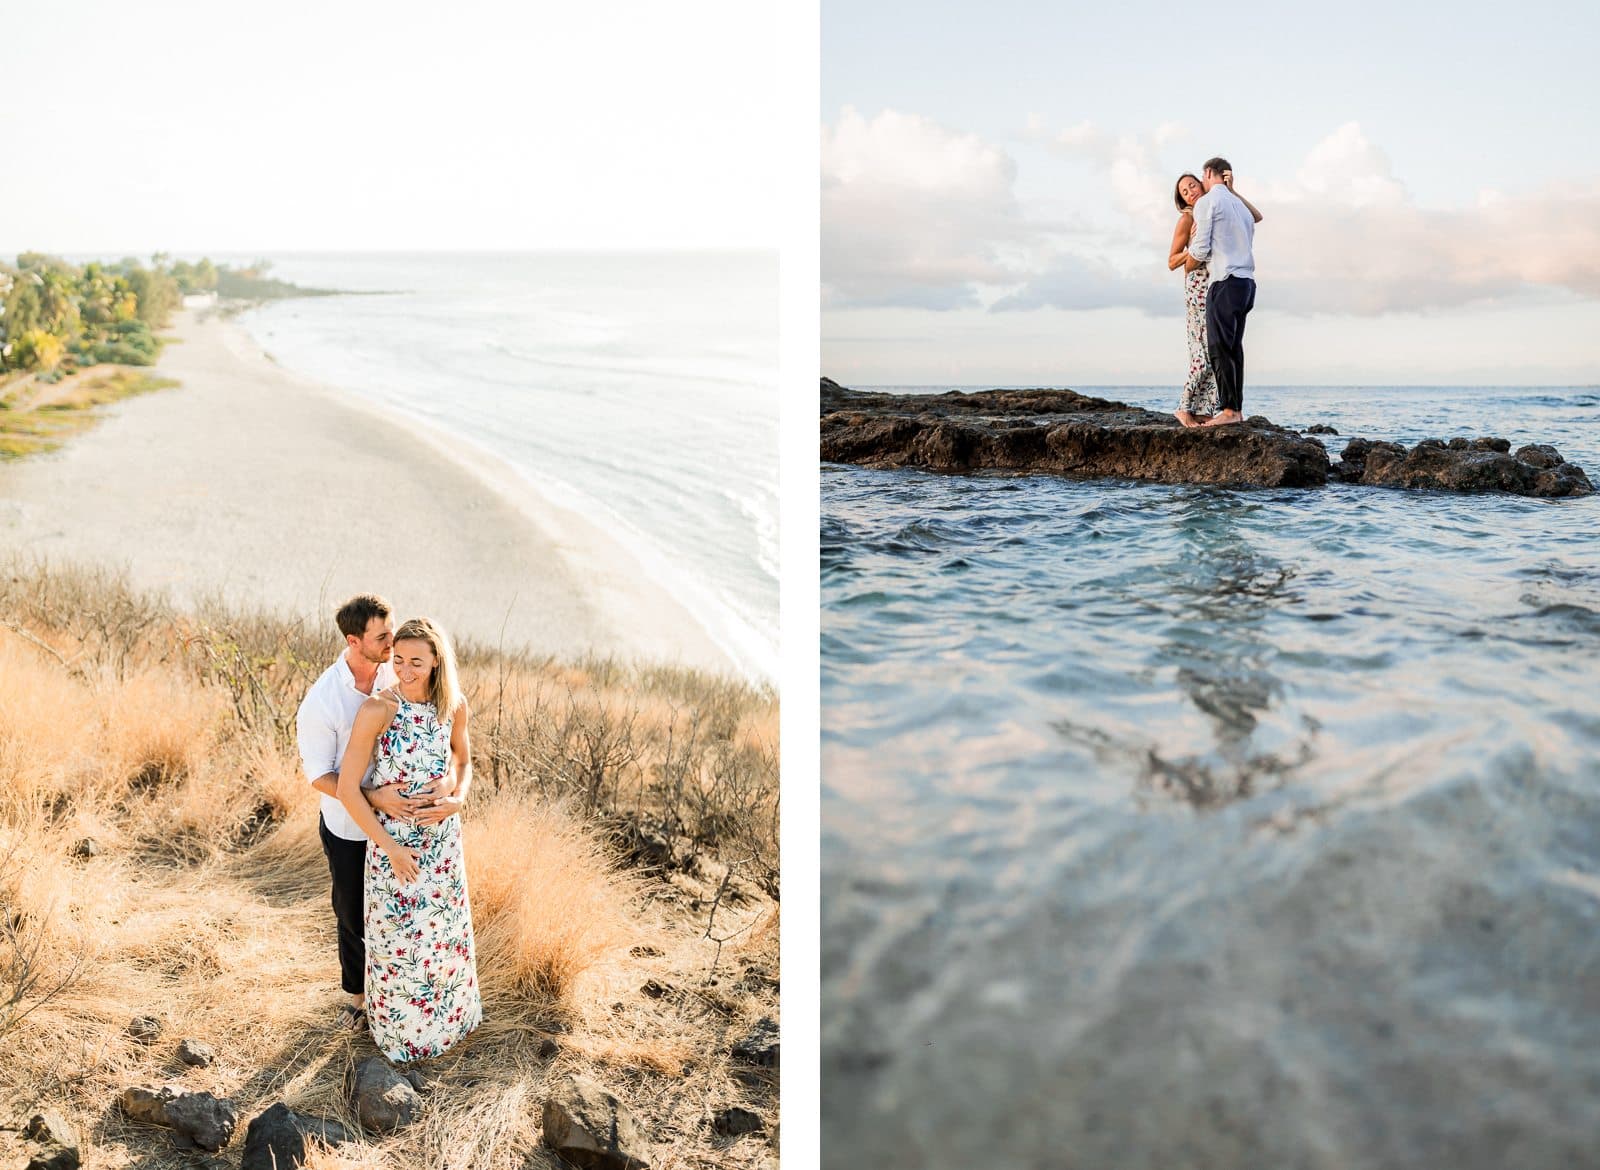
pixel 1223 418
pixel 1187 418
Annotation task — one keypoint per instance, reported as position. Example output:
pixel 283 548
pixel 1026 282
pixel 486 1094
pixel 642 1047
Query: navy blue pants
pixel 1228 303
pixel 347 864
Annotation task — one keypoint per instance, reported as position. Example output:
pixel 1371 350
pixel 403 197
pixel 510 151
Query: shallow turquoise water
pixel 1186 826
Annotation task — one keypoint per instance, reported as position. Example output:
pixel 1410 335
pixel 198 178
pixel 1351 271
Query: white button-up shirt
pixel 327 716
pixel 1223 234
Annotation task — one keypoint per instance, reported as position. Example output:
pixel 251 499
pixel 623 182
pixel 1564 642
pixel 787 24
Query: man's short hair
pixel 355 614
pixel 1216 166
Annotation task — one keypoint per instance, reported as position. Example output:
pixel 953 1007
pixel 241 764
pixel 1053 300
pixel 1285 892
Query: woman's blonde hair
pixel 444 688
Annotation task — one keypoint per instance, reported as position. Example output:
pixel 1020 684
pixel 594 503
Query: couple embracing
pixel 1214 242
pixel 383 738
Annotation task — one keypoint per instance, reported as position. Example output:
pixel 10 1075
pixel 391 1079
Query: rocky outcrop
pixel 589 1127
pixel 1462 465
pixel 1061 432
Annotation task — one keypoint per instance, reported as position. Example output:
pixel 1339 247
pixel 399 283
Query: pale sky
pixel 997 189
pixel 352 125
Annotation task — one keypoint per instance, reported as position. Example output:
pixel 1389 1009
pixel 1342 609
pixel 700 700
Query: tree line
pixel 56 317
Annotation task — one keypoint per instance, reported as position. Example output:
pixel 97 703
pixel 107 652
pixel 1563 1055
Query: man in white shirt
pixel 323 727
pixel 1224 237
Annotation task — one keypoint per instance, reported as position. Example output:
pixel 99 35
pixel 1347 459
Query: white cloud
pixel 1344 236
pixel 913 213
pixel 917 214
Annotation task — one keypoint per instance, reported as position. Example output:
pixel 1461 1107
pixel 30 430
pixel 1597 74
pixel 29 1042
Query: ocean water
pixel 638 389
pixel 1193 827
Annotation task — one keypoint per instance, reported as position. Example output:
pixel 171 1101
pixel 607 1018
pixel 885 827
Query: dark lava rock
pixel 589 1127
pixel 1061 432
pixel 205 1120
pixel 145 1029
pixel 1485 468
pixel 55 1157
pixel 384 1100
pixel 197 1053
pixel 1320 429
pixel 760 1045
pixel 277 1139
pixel 735 1121
pixel 58 1139
pixel 1540 455
pixel 50 1127
pixel 419 1082
pixel 548 1048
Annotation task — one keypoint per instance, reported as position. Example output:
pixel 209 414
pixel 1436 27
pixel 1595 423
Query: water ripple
pixel 1181 826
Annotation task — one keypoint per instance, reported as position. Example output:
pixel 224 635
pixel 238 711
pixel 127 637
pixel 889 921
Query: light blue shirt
pixel 1223 234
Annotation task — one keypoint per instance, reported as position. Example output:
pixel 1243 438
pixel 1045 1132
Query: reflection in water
pixel 1219 591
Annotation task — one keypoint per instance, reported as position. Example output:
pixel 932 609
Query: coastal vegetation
pixel 159 861
pixel 57 317
pixel 37 415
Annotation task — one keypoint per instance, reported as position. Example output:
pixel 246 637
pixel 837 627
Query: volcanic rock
pixel 589 1127
pixel 760 1045
pixel 206 1120
pixel 734 1121
pixel 384 1100
pixel 1061 432
pixel 197 1053
pixel 58 1139
pixel 277 1139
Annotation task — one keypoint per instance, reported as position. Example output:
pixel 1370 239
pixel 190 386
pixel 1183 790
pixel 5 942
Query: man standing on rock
pixel 1223 236
pixel 323 729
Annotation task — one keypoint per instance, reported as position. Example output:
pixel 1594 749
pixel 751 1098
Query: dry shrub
pixel 157 727
pixel 48 732
pixel 547 906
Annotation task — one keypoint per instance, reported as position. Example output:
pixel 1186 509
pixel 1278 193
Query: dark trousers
pixel 347 862
pixel 1228 303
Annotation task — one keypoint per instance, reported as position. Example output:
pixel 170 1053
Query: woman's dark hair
pixel 1177 195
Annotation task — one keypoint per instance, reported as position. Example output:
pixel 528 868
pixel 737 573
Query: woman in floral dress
pixel 421 976
pixel 1199 401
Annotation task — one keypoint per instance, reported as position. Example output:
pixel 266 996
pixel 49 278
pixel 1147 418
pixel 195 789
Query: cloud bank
pixel 915 214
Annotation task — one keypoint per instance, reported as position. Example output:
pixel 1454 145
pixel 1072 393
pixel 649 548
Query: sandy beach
pixel 271 490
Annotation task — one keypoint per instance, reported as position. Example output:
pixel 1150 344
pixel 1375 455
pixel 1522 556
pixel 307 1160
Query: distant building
pixel 200 300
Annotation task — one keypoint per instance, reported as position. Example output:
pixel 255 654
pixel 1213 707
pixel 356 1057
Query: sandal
pixel 350 1019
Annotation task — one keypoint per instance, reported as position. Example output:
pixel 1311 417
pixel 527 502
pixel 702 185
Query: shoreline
pixel 205 488
pixel 567 513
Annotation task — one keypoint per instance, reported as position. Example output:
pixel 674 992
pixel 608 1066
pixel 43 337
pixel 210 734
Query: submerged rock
pixel 1061 432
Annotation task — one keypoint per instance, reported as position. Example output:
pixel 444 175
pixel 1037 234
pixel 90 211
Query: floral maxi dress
pixel 422 979
pixel 1200 388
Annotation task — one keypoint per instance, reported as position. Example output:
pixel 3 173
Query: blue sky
pixel 997 188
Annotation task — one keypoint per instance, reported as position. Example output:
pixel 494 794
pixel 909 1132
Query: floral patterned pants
pixel 1200 389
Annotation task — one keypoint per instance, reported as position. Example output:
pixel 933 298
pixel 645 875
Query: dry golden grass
pixel 161 737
